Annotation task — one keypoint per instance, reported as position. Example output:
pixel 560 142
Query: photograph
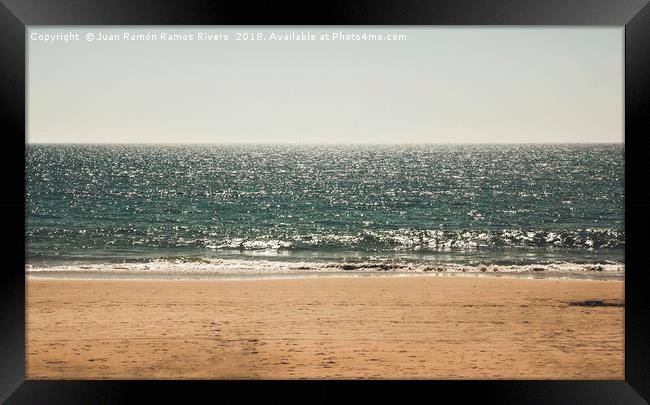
pixel 325 202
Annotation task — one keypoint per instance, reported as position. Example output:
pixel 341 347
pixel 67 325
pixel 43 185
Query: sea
pixel 285 210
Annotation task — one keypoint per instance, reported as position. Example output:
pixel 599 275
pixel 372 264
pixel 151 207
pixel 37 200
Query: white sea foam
pixel 189 267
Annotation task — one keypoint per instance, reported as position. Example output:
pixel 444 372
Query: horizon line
pixel 327 143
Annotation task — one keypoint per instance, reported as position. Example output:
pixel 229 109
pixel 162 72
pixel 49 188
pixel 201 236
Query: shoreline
pixel 412 327
pixel 234 269
pixel 53 275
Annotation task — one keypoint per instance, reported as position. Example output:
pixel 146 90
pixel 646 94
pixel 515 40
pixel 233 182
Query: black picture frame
pixel 634 15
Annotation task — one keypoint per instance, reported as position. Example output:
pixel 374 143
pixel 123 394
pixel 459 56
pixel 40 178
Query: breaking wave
pixel 193 266
pixel 435 240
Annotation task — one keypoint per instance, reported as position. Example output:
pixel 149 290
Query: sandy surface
pixel 408 327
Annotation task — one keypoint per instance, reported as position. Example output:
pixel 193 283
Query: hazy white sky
pixel 441 85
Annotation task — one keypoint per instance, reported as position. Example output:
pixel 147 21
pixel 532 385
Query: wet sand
pixel 423 327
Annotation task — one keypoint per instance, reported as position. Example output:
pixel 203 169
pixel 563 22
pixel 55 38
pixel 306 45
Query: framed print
pixel 446 192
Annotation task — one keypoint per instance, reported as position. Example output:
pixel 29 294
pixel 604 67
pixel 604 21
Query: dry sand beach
pixel 420 327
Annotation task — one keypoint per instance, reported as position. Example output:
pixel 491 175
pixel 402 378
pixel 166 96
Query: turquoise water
pixel 335 204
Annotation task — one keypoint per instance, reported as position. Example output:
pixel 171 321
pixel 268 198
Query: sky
pixel 438 85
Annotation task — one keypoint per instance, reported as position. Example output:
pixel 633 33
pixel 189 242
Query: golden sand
pixel 423 327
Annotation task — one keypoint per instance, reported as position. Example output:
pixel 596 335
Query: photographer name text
pixel 68 37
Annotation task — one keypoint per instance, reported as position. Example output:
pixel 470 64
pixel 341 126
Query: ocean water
pixel 299 208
